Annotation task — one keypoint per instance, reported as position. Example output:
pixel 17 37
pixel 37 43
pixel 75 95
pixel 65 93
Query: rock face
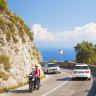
pixel 17 44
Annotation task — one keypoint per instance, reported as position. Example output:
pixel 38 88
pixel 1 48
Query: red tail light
pixel 87 71
pixel 74 71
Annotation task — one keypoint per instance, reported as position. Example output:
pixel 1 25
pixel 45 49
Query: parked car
pixel 51 68
pixel 81 71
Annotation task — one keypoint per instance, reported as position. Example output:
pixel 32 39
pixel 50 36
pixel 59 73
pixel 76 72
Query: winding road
pixel 57 85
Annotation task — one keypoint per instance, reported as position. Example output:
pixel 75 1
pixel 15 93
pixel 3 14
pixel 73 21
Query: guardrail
pixel 70 65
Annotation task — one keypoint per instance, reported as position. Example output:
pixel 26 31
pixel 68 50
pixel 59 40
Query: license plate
pixel 54 69
pixel 81 72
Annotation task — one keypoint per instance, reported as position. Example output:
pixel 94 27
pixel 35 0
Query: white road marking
pixel 58 86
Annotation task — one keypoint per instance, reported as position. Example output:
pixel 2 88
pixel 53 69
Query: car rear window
pixel 52 65
pixel 81 67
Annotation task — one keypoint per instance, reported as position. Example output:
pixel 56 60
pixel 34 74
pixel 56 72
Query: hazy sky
pixel 58 23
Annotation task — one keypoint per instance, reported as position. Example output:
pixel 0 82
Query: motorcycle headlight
pixel 31 75
pixel 33 79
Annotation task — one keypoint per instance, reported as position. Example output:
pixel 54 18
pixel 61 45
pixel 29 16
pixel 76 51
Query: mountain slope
pixel 18 53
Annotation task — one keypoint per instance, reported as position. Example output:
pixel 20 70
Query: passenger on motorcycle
pixel 32 72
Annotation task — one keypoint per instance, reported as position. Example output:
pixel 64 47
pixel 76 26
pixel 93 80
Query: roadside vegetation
pixel 85 53
pixel 15 20
pixel 3 5
pixel 14 87
pixel 19 85
pixel 53 60
pixel 5 61
pixel 4 76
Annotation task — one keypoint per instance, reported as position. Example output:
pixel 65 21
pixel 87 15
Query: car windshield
pixel 52 65
pixel 81 67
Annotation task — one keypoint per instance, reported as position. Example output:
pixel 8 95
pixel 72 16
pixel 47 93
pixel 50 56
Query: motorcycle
pixel 34 83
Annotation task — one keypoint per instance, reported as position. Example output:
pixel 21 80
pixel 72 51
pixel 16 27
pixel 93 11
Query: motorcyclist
pixel 37 73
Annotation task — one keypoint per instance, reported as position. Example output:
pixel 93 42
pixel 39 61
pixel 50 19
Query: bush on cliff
pixel 3 5
pixel 5 61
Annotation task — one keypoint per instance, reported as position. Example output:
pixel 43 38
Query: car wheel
pixel 73 78
pixel 48 72
pixel 89 78
pixel 59 72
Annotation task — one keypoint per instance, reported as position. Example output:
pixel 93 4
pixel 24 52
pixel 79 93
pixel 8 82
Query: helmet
pixel 32 68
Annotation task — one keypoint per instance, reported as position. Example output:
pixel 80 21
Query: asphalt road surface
pixel 57 85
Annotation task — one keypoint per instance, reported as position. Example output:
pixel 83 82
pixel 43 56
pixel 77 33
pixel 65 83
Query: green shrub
pixel 74 60
pixel 34 54
pixel 28 32
pixel 2 23
pixel 15 39
pixel 17 18
pixel 11 26
pixel 4 76
pixel 3 5
pixel 21 32
pixel 13 19
pixel 32 57
pixel 53 60
pixel 5 61
pixel 31 37
pixel 9 35
pixel 8 12
pixel 42 77
pixel 21 21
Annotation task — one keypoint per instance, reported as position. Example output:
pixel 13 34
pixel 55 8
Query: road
pixel 57 85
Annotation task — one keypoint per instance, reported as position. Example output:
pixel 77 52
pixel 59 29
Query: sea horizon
pixel 53 53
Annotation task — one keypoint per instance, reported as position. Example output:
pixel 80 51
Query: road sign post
pixel 61 52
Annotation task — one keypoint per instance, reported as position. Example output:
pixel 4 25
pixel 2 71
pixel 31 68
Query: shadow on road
pixel 20 91
pixel 66 68
pixel 70 79
pixel 92 91
pixel 64 79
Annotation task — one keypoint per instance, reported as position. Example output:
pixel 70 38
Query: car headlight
pixel 50 69
pixel 58 68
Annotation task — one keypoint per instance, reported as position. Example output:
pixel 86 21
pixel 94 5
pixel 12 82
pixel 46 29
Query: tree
pixel 85 52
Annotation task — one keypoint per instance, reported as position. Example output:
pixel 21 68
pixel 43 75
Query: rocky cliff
pixel 18 53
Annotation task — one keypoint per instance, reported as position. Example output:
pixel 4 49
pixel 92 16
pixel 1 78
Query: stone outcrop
pixel 18 45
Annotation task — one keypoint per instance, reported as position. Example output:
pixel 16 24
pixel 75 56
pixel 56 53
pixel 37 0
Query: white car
pixel 51 68
pixel 81 71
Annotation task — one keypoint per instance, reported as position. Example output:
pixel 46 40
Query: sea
pixel 53 53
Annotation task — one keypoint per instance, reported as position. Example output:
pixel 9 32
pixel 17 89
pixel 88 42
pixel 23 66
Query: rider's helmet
pixel 32 68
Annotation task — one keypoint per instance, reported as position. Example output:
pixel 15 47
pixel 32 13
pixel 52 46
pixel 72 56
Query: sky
pixel 58 23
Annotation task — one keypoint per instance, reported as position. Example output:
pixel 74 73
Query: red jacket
pixel 37 72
